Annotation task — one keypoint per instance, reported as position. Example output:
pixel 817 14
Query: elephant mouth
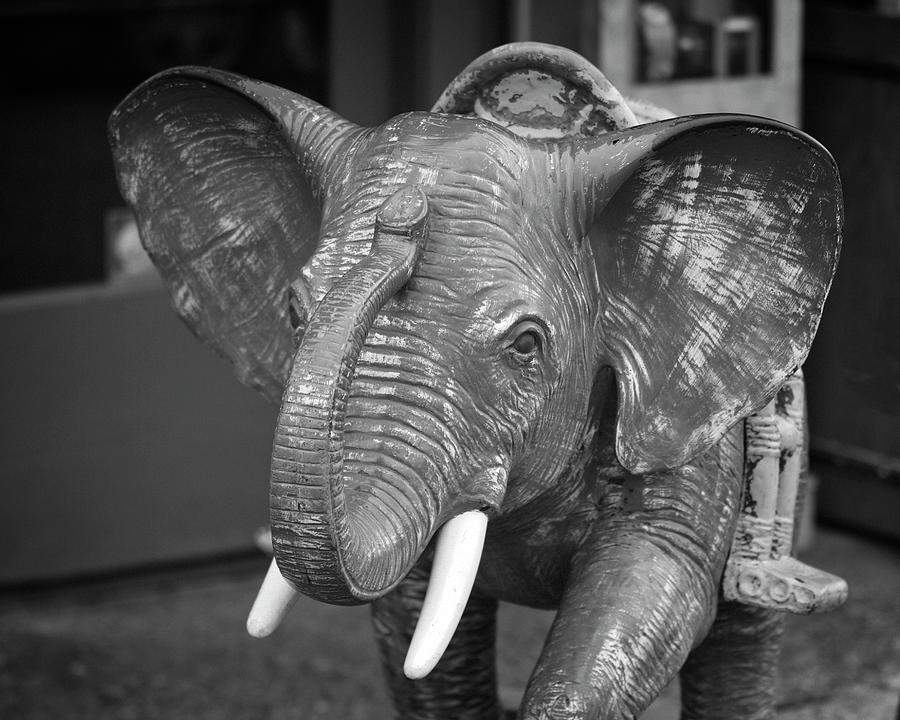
pixel 347 526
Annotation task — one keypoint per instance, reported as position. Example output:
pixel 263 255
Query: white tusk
pixel 456 559
pixel 275 597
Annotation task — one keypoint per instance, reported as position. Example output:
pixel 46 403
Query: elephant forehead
pixel 488 190
pixel 482 189
pixel 493 265
pixel 495 242
pixel 465 157
pixel 493 289
pixel 484 293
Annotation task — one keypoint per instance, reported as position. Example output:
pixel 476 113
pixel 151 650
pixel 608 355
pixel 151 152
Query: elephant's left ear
pixel 716 239
pixel 227 177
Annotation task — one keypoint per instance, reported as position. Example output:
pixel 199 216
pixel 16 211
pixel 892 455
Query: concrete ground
pixel 172 645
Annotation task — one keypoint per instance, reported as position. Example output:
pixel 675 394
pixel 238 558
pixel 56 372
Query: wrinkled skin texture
pixel 504 369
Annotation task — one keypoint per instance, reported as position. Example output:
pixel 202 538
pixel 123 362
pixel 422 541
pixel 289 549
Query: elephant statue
pixel 519 343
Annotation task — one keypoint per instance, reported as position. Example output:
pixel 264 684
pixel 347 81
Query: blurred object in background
pixel 700 38
pixel 695 43
pixel 659 42
pixel 892 8
pixel 126 258
pixel 738 47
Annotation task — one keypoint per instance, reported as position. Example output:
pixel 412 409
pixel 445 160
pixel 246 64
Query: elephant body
pixel 532 327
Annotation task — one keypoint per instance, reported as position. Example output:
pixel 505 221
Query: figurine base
pixel 784 584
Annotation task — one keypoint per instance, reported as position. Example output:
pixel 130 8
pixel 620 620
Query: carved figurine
pixel 515 340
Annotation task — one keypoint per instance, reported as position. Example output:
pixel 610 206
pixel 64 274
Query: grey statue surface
pixel 539 344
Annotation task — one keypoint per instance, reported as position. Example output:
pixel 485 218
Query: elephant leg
pixel 619 637
pixel 641 593
pixel 732 674
pixel 463 684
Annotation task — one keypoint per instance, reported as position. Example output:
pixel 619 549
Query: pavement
pixel 171 644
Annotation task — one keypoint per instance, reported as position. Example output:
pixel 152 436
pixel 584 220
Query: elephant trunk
pixel 340 532
pixel 320 547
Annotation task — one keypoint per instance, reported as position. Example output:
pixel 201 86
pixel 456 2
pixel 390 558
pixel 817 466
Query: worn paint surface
pixel 587 320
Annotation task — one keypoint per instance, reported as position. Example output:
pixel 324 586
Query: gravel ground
pixel 172 645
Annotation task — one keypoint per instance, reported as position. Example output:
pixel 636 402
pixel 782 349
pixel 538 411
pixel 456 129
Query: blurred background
pixel 115 422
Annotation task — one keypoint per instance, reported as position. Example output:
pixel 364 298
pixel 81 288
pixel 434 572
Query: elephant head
pixel 433 300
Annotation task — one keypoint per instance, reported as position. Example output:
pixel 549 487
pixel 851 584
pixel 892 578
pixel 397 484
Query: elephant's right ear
pixel 715 240
pixel 227 177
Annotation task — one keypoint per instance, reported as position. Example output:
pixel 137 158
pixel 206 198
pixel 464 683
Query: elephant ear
pixel 716 239
pixel 226 177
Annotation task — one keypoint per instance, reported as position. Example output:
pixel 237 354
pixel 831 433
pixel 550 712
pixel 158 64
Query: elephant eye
pixel 526 343
pixel 527 338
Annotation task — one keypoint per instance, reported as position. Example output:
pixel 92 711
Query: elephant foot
pixel 784 584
